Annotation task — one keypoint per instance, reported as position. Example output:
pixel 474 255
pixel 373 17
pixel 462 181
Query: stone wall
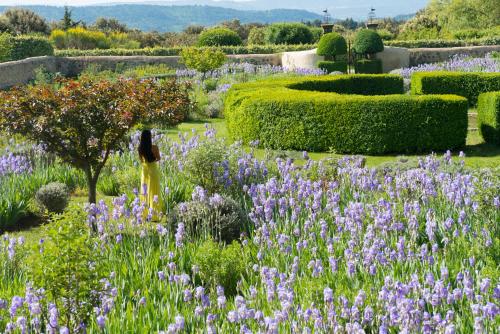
pixel 436 55
pixel 23 71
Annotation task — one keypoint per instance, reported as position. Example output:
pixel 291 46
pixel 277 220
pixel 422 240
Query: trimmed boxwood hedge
pixel 333 66
pixel 308 113
pixel 488 117
pixel 20 47
pixel 368 66
pixel 219 37
pixel 468 85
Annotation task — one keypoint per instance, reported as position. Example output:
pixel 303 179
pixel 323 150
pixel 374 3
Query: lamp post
pixel 327 26
pixel 371 24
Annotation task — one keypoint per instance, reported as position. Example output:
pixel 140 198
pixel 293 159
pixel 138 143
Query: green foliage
pixel 317 33
pixel 333 66
pixel 220 217
pixel 68 266
pixel 257 36
pixel 53 197
pixel 367 42
pixel 219 265
pixel 20 47
pixel 332 45
pixel 443 43
pixel 175 51
pixel 318 118
pixel 219 37
pixel 488 117
pixel 288 33
pixel 24 21
pixel 203 60
pixel 468 85
pixel 368 66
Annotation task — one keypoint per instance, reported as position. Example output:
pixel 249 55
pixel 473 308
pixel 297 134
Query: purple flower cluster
pixel 11 163
pixel 457 63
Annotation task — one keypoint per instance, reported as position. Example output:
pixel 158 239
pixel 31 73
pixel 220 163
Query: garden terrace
pixel 349 114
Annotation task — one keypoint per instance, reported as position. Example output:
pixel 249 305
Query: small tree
pixel 25 21
pixel 82 122
pixel 332 45
pixel 203 60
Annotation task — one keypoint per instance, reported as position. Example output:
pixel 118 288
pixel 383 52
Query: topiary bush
pixel 367 42
pixel 333 66
pixel 219 37
pixel 468 85
pixel 488 117
pixel 288 33
pixel 320 114
pixel 54 197
pixel 368 66
pixel 220 217
pixel 332 45
pixel 220 266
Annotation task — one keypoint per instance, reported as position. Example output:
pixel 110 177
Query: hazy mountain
pixel 357 9
pixel 171 18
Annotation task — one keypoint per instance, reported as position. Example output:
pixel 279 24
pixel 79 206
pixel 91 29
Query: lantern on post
pixel 372 24
pixel 327 25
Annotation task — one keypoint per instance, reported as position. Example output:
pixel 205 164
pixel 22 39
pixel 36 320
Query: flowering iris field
pixel 329 246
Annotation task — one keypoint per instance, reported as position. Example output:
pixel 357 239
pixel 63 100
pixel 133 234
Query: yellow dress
pixel 150 187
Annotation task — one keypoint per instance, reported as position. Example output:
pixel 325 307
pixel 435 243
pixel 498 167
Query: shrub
pixel 288 33
pixel 68 266
pixel 20 47
pixel 220 266
pixel 332 45
pixel 80 38
pixel 281 117
pixel 333 66
pixel 220 217
pixel 257 36
pixel 203 60
pixel 468 85
pixel 443 43
pixel 316 33
pixel 488 117
pixel 367 42
pixel 368 66
pixel 54 197
pixel 201 166
pixel 219 37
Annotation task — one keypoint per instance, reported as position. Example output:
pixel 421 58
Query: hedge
pixel 332 45
pixel 250 49
pixel 488 117
pixel 367 41
pixel 468 85
pixel 333 66
pixel 443 43
pixel 219 37
pixel 368 66
pixel 288 33
pixel 274 112
pixel 20 47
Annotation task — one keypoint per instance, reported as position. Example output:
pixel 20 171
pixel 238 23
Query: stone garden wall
pixel 23 71
pixel 435 55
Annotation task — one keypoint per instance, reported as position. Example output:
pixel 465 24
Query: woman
pixel 150 176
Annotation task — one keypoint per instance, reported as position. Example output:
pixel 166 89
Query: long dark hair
pixel 146 147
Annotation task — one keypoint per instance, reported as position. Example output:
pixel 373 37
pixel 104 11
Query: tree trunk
pixel 92 185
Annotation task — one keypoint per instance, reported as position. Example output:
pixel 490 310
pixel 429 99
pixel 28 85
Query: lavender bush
pixel 334 247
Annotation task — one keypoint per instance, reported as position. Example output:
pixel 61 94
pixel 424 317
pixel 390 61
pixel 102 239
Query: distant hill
pixel 171 18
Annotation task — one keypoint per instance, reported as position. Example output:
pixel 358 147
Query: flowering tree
pixel 83 121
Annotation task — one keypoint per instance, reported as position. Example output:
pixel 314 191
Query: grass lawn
pixel 478 154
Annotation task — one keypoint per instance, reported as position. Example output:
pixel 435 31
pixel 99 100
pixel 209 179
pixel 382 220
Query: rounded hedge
pixel 469 85
pixel 288 33
pixel 332 45
pixel 219 37
pixel 362 114
pixel 367 41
